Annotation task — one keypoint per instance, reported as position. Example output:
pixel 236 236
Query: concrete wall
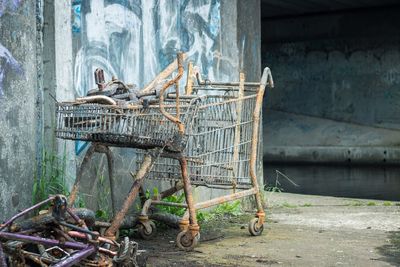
pixel 18 100
pixel 337 66
pixel 337 81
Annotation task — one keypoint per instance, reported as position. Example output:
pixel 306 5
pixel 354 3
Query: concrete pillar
pixel 19 102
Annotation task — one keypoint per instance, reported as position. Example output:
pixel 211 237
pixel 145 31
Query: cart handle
pixel 165 87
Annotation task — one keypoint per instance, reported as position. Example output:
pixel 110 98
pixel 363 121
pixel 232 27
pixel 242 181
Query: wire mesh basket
pixel 137 126
pixel 219 147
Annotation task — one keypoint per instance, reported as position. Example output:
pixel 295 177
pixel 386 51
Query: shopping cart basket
pixel 221 151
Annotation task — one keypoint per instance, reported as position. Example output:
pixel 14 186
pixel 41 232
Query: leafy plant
pixel 103 194
pixel 179 211
pixel 229 208
pixel 52 178
pixel 387 203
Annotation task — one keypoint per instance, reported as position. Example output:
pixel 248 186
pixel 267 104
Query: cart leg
pixel 146 227
pixel 133 192
pixel 75 187
pixel 188 238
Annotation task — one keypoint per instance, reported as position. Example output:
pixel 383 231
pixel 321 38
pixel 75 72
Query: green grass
pixel 287 205
pixel 306 205
pixel 52 178
pixel 371 203
pixel 387 203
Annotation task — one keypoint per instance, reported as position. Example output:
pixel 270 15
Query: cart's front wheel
pixel 254 229
pixel 186 241
pixel 148 231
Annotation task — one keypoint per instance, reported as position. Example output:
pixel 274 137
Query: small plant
pixel 355 203
pixel 174 210
pixel 371 203
pixel 203 216
pixel 274 189
pixel 103 194
pixel 52 178
pixel 306 205
pixel 229 208
pixel 387 203
pixel 287 205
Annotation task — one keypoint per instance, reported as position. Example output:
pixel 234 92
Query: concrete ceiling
pixel 277 8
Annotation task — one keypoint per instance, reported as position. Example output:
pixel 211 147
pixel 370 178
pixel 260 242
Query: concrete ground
pixel 300 231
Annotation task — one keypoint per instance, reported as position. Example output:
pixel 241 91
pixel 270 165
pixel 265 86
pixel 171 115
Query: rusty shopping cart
pixel 206 137
pixel 221 150
pixel 159 125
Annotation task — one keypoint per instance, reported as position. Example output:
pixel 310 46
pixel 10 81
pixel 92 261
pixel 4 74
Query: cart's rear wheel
pixel 147 232
pixel 185 241
pixel 254 229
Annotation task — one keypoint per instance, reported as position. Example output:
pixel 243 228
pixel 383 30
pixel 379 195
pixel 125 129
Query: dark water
pixel 342 181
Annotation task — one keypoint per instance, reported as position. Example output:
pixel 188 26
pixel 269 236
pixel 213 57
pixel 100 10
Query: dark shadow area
pixel 337 79
pixel 391 251
pixel 368 182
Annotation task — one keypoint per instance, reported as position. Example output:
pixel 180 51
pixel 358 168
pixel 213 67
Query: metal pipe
pixel 164 74
pixel 265 79
pixel 165 87
pixel 75 187
pixel 79 229
pixel 43 241
pixel 236 143
pixel 189 80
pixel 77 257
pixel 22 213
pixel 188 192
pixel 97 99
pixel 83 236
pixel 227 198
pixel 178 186
pixel 146 166
pixel 171 204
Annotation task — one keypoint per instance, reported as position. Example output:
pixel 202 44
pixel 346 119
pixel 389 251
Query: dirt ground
pixel 300 231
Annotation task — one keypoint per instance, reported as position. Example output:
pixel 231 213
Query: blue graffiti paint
pixel 76 17
pixel 7 61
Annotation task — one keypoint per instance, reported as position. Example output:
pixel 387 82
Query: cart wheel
pixel 254 229
pixel 145 233
pixel 185 241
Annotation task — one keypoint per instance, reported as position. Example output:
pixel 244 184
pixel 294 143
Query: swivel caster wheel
pixel 186 242
pixel 147 232
pixel 254 229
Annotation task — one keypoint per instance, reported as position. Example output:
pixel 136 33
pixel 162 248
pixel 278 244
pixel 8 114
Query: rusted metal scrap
pixel 60 237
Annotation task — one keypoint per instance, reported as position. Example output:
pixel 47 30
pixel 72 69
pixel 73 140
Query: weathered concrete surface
pixel 18 101
pixel 336 99
pixel 337 66
pixel 300 231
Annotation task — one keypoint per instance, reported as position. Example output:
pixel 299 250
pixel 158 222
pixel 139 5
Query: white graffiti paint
pixel 7 60
pixel 134 40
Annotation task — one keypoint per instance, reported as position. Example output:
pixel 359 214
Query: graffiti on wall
pixel 7 61
pixel 134 40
